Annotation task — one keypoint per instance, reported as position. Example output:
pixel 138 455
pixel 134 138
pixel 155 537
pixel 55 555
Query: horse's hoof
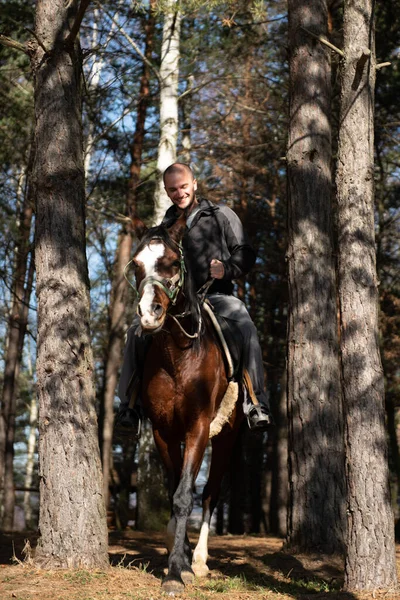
pixel 172 587
pixel 200 569
pixel 187 577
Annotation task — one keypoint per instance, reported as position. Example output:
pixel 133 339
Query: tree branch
pixel 381 65
pixel 77 23
pixel 323 40
pixel 10 43
pixel 132 43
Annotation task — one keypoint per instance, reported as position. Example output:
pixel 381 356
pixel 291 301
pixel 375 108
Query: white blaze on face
pixel 148 257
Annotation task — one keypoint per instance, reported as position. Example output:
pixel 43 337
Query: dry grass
pixel 242 568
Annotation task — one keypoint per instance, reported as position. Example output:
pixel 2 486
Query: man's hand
pixel 217 269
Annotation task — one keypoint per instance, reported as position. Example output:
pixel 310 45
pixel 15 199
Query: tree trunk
pixel 186 110
pixel 72 519
pixel 370 552
pixel 94 75
pixel 279 488
pixel 316 461
pixel 169 75
pixel 16 333
pixel 151 503
pixel 30 461
pixel 153 506
pixel 119 292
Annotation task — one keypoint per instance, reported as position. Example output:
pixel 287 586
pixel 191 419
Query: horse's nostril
pixel 157 310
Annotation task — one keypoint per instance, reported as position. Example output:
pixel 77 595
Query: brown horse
pixel 183 387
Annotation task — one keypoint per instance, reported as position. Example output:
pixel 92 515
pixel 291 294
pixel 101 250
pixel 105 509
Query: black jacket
pixel 215 232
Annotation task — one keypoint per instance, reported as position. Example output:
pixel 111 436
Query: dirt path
pixel 242 568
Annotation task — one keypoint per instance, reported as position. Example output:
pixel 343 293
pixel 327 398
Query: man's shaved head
pixel 178 168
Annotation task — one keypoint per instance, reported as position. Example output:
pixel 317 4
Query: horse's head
pixel 160 271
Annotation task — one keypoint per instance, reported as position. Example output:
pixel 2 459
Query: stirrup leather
pixel 249 388
pixel 208 308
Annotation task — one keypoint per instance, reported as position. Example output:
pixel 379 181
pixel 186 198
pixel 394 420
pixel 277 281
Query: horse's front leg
pixel 170 452
pixel 179 562
pixel 222 447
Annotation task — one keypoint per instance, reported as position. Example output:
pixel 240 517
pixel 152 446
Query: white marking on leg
pixel 149 257
pixel 200 555
pixel 171 528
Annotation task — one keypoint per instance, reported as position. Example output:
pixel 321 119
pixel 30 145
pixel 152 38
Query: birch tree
pixel 370 552
pixel 316 504
pixel 169 76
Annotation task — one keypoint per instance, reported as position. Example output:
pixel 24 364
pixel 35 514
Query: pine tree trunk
pixel 279 487
pixel 16 333
pixel 316 474
pixel 119 292
pixel 153 506
pixel 370 554
pixel 169 75
pixel 72 519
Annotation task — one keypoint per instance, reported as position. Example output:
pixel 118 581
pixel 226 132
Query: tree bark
pixel 72 519
pixel 370 552
pixel 16 333
pixel 169 74
pixel 316 460
pixel 119 292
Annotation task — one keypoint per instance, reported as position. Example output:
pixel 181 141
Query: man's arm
pixel 243 255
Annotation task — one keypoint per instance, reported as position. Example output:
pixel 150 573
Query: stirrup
pixel 128 424
pixel 258 418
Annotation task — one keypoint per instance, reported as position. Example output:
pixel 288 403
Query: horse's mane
pixel 192 305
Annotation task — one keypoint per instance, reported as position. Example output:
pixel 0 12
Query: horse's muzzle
pixel 153 318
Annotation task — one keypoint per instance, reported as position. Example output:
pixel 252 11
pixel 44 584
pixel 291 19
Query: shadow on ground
pixel 257 563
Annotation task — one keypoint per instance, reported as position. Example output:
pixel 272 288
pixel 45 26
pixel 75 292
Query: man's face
pixel 181 188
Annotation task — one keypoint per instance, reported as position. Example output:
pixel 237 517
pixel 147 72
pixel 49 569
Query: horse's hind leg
pixel 179 562
pixel 221 453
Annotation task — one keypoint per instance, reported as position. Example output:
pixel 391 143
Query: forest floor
pixel 241 568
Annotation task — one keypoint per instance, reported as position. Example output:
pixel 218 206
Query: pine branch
pixel 324 41
pixel 77 23
pixel 382 65
pixel 10 43
pixel 132 43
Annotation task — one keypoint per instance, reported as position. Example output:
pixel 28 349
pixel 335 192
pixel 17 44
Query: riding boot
pixel 129 416
pixel 257 409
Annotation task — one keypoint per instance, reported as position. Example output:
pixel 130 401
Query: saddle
pixel 231 350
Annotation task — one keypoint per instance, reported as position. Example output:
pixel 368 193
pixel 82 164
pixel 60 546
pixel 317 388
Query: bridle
pixel 171 286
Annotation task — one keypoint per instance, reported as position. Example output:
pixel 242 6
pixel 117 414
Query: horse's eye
pixel 176 263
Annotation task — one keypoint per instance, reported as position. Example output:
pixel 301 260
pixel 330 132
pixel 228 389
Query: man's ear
pixel 138 226
pixel 177 230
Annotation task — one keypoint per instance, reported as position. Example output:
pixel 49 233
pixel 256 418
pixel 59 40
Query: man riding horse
pixel 216 247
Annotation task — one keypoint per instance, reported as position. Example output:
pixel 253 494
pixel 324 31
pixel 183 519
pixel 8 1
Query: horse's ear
pixel 138 226
pixel 177 230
